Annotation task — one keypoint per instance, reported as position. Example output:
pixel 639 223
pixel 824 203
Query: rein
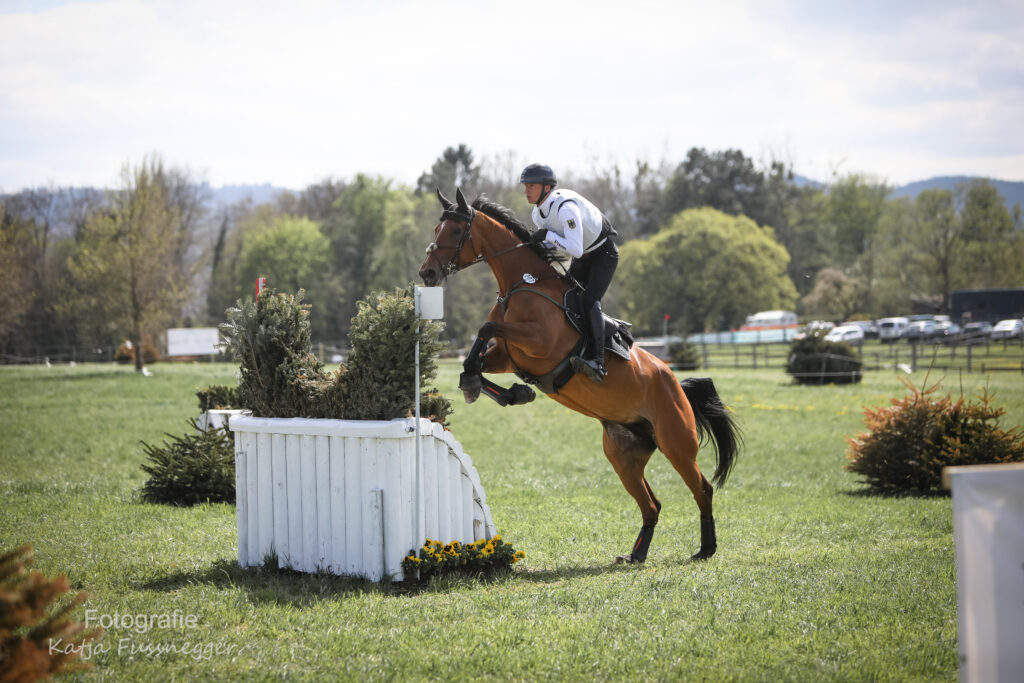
pixel 452 266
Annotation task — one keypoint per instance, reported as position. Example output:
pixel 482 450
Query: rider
pixel 568 221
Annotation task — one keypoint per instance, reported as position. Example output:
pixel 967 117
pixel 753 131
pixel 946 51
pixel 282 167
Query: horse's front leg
pixel 492 358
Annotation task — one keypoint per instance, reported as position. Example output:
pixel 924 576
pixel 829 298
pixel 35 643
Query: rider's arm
pixel 570 221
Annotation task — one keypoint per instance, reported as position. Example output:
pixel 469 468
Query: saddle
pixel 617 340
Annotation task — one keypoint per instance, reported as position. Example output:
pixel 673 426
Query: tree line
pixel 706 241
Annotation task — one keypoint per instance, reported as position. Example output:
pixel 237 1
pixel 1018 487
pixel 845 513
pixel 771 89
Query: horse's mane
pixel 508 219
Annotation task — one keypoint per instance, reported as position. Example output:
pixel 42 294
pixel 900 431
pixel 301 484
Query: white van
pixel 770 320
pixel 891 329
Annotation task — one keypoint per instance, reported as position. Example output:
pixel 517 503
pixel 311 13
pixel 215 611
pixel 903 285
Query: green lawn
pixel 813 579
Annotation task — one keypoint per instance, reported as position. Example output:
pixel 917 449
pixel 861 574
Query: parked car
pixel 851 334
pixel 977 332
pixel 947 329
pixel 920 330
pixel 891 329
pixel 1008 329
pixel 868 327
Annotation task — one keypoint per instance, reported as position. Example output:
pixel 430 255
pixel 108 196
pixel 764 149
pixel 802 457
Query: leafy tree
pixel 454 168
pixel 15 275
pixel 934 244
pixel 356 227
pixel 127 261
pixel 291 253
pixel 314 202
pixel 854 212
pixel 835 295
pixel 993 249
pixel 727 181
pixel 706 269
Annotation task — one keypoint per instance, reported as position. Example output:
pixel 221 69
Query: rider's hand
pixel 539 236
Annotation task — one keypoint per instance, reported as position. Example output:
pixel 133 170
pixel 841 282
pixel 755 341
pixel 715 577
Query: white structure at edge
pixel 339 495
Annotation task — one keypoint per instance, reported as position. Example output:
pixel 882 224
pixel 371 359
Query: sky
pixel 291 93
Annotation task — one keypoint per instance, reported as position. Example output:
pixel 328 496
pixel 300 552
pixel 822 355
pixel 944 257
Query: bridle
pixel 452 266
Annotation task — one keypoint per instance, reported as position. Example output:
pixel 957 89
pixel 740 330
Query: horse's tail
pixel 714 420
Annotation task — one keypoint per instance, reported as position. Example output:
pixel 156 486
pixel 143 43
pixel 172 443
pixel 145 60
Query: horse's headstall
pixel 456 212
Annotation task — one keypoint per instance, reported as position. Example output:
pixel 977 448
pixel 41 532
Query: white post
pixel 419 534
pixel 429 305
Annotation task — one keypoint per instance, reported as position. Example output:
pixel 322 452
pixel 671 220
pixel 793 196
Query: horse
pixel 640 403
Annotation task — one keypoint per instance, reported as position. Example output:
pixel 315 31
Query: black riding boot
pixel 592 362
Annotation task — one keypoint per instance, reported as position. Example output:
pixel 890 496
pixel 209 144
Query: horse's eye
pixel 457 231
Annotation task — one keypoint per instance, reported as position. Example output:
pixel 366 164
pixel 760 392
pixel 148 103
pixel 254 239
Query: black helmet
pixel 538 173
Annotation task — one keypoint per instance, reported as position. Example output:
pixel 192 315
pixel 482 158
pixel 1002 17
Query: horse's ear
pixel 444 200
pixel 461 199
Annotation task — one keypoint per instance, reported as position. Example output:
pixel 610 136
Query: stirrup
pixel 594 370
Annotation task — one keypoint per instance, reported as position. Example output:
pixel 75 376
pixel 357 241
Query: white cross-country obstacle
pixel 339 496
pixel 354 497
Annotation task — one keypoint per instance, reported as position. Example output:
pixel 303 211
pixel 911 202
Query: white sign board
pixel 988 530
pixel 192 341
pixel 430 302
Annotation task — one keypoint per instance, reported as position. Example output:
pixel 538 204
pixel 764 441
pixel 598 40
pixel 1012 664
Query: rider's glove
pixel 539 236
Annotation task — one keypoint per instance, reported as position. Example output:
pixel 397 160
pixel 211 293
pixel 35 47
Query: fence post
pixel 913 357
pixel 969 348
pixel 754 351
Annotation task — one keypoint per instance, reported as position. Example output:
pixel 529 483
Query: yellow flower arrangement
pixel 483 556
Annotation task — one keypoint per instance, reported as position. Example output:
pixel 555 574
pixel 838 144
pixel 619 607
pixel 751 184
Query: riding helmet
pixel 538 173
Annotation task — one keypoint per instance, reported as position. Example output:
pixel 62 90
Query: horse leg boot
pixel 708 538
pixel 592 362
pixel 471 381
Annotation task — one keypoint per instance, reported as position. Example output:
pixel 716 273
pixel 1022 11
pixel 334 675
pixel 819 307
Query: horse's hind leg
pixel 629 453
pixel 676 434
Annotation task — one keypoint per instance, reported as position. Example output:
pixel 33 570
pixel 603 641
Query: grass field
pixel 814 580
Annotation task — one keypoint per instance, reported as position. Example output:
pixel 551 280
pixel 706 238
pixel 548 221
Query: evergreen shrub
pixel 814 360
pixel 38 639
pixel 198 467
pixel 908 443
pixel 281 377
pixel 684 355
pixel 217 397
pixel 381 368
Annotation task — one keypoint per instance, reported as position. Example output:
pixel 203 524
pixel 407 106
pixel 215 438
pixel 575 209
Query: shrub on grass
pixel 684 355
pixel 813 360
pixel 281 377
pixel 217 397
pixel 37 639
pixel 197 467
pixel 125 353
pixel 381 369
pixel 907 444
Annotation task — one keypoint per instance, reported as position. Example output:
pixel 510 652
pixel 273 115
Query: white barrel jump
pixel 339 496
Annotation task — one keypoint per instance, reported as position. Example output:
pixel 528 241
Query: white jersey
pixel 573 223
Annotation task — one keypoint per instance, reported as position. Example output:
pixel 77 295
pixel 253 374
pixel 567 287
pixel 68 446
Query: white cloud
pixel 255 92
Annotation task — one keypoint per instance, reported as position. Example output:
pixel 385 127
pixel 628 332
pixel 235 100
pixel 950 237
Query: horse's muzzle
pixel 431 275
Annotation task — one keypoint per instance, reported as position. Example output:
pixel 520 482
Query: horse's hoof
pixel 703 554
pixel 471 385
pixel 522 394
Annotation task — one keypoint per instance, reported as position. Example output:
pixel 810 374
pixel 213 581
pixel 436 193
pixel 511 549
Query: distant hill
pixel 1013 192
pixel 227 195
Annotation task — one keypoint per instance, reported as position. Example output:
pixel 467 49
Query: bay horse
pixel 640 403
